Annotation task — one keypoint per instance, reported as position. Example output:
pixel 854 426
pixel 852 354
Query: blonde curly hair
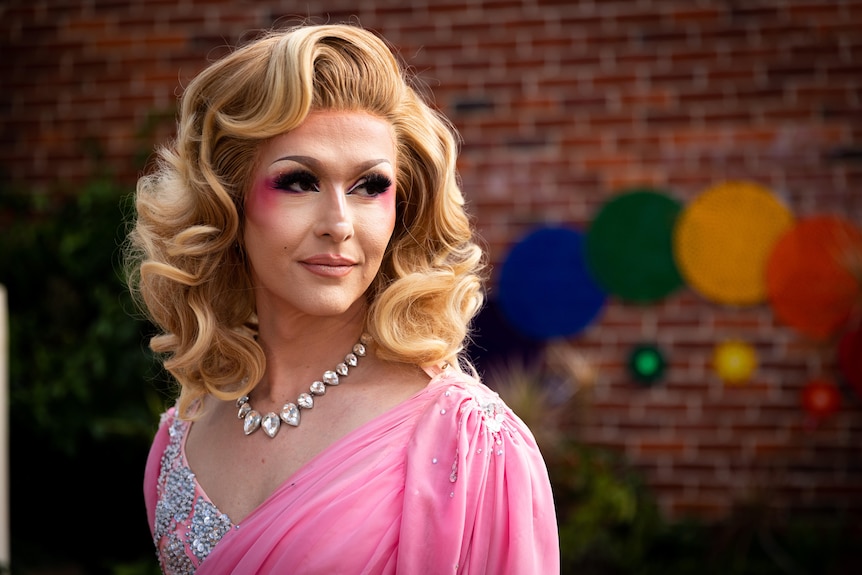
pixel 184 254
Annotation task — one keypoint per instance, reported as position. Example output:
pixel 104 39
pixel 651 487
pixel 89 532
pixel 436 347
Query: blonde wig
pixel 185 257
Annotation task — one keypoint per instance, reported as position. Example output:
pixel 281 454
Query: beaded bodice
pixel 187 524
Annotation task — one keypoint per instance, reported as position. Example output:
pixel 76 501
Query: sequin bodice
pixel 187 524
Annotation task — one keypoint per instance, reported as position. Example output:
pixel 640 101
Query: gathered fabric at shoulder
pixel 477 494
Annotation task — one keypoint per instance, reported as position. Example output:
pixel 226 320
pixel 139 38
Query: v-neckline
pixel 306 468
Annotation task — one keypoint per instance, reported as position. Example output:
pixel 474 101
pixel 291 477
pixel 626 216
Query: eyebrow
pixel 314 164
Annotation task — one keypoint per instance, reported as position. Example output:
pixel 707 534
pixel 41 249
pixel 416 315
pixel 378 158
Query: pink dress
pixel 450 481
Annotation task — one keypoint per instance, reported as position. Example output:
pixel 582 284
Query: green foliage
pixel 85 392
pixel 78 360
pixel 605 512
pixel 610 525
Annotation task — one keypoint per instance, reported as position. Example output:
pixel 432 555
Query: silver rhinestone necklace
pixel 271 422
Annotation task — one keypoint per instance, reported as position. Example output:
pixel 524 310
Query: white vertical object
pixel 4 430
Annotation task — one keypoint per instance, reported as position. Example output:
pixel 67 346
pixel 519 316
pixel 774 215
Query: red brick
pixel 698 14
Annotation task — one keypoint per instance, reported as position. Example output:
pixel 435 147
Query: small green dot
pixel 647 362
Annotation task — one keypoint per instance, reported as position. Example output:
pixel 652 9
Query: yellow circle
pixel 734 361
pixel 722 241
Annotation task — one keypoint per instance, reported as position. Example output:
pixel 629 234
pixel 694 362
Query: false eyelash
pixel 305 179
pixel 376 184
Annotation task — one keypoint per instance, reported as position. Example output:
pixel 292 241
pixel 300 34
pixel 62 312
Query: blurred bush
pixel 85 392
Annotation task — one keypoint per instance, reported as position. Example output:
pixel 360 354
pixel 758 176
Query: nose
pixel 334 218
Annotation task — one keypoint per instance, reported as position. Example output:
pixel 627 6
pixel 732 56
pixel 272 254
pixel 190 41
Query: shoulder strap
pixel 435 370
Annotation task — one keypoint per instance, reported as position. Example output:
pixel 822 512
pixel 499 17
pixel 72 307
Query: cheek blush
pixel 261 200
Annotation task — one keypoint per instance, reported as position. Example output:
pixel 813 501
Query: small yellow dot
pixel 734 361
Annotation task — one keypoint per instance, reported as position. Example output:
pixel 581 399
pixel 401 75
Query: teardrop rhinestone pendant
pixel 252 420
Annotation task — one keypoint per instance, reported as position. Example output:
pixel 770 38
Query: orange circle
pixel 814 275
pixel 723 238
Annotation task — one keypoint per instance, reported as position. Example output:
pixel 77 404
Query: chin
pixel 332 307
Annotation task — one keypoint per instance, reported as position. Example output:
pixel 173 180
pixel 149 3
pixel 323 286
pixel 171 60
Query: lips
pixel 328 265
pixel 329 260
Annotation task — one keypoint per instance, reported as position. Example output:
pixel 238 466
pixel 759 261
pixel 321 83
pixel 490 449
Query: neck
pixel 290 413
pixel 299 350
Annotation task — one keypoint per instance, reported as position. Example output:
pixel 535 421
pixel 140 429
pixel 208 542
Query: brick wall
pixel 560 105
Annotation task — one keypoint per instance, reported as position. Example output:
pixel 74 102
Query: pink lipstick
pixel 328 265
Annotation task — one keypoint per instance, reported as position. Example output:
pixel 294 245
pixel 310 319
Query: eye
pixel 372 185
pixel 299 181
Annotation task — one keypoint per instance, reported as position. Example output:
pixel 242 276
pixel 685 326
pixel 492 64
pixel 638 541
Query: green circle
pixel 647 363
pixel 629 246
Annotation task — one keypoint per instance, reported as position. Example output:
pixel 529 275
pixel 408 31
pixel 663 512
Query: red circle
pixel 820 398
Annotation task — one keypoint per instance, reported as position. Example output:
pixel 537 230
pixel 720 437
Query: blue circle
pixel 545 288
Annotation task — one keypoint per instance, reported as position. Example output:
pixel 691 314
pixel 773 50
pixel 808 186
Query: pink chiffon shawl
pixel 450 481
